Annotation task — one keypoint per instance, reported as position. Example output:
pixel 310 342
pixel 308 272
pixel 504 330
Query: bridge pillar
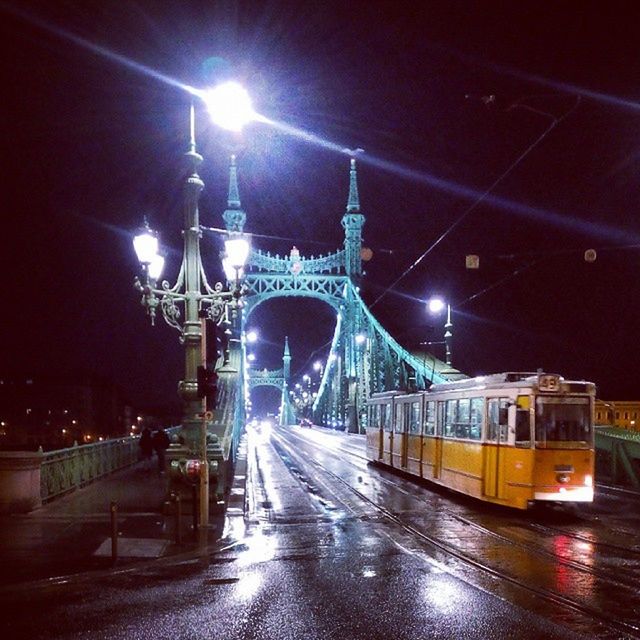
pixel 20 481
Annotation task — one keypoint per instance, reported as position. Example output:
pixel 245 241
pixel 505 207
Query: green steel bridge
pixel 363 358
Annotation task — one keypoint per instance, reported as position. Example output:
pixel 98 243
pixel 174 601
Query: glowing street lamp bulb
pixel 145 244
pixel 229 106
pixel 435 305
pixel 252 336
pixel 156 266
pixel 317 365
pixel 251 357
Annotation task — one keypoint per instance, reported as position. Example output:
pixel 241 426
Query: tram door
pixel 404 436
pixel 437 454
pixel 381 420
pixel 494 454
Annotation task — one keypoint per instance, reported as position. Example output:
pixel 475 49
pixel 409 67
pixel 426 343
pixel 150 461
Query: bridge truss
pixel 364 358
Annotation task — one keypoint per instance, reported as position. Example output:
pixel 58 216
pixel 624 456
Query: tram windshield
pixel 563 422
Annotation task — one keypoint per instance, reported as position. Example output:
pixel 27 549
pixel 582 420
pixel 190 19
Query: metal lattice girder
pixel 266 378
pixel 296 264
pixel 263 286
pixel 624 448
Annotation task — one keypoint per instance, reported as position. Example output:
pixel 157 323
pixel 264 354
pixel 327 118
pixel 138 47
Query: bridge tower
pixel 352 223
pixel 278 378
pixel 287 414
pixel 234 216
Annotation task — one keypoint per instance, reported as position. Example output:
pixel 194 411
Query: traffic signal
pixel 207 385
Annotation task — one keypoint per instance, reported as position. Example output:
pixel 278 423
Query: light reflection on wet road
pixel 315 559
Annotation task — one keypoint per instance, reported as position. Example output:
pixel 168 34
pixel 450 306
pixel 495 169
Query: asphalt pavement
pixel 299 558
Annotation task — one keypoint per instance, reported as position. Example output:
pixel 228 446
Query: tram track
pixel 615 624
pixel 537 526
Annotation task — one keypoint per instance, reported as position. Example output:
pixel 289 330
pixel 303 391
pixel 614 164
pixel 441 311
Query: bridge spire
pixel 352 222
pixel 286 360
pixel 234 216
pixel 353 203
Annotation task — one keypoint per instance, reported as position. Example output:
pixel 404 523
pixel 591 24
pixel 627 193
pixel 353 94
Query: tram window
pixel 386 416
pixel 523 428
pixel 406 415
pixel 430 419
pixel 497 427
pixel 462 419
pixel 397 427
pixel 451 408
pixel 475 428
pixel 414 424
pixel 561 420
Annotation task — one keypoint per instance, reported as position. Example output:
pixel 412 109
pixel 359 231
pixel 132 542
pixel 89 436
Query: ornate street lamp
pixel 186 304
pixel 436 305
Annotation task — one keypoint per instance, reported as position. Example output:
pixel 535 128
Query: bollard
pixel 194 504
pixel 178 505
pixel 114 531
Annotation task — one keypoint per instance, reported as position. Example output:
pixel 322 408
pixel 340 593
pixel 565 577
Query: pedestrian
pixel 146 446
pixel 160 444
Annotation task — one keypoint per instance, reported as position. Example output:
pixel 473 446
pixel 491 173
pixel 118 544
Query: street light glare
pixel 229 106
pixel 156 266
pixel 146 246
pixel 252 336
pixel 435 305
pixel 236 253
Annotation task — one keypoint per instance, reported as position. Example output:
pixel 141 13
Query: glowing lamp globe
pixel 436 305
pixel 156 266
pixel 236 254
pixel 145 244
pixel 229 106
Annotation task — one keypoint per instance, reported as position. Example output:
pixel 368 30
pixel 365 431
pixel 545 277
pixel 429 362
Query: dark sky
pixel 444 97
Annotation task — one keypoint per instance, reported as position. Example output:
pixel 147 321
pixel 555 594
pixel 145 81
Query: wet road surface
pixel 333 548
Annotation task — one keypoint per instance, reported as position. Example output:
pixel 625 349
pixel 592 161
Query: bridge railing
pixel 618 455
pixel 69 469
pixel 29 478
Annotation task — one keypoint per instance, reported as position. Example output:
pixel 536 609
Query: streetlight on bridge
pixel 436 305
pixel 230 108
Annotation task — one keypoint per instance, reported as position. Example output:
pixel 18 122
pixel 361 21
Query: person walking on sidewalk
pixel 160 444
pixel 146 447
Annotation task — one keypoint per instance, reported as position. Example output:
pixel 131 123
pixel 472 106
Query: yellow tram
pixel 508 438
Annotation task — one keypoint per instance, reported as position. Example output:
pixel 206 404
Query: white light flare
pixel 435 305
pixel 156 266
pixel 146 246
pixel 229 106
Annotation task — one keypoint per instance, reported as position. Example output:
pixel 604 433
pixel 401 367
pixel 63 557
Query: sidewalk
pixel 73 534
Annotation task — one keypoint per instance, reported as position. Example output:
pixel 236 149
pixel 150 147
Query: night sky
pixel 446 98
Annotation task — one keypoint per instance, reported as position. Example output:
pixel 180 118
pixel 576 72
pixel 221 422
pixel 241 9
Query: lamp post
pixel 192 298
pixel 435 306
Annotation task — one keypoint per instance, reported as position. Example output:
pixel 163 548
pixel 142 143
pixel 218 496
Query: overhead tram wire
pixel 468 210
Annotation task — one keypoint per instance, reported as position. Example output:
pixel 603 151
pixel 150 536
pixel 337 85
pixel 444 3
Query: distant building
pixel 624 414
pixel 54 411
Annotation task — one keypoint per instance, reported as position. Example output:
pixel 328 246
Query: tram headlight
pixel 563 478
pixel 588 480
